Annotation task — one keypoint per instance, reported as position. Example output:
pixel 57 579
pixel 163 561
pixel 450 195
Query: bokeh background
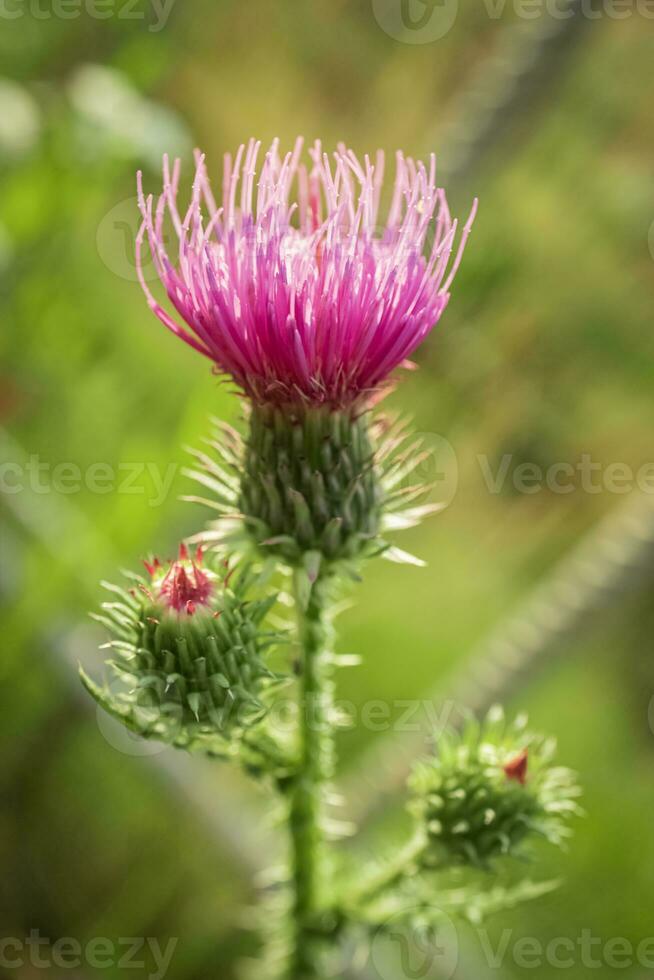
pixel 541 599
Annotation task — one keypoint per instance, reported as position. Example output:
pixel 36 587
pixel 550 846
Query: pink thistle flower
pixel 309 300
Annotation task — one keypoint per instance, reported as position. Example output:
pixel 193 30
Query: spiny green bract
pixel 310 483
pixel 191 676
pixel 489 789
pixel 317 481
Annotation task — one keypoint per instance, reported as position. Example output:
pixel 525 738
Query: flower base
pixel 310 483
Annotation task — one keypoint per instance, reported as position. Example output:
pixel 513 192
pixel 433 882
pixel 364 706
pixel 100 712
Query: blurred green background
pixel 546 354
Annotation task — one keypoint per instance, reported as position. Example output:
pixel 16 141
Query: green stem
pixel 392 874
pixel 316 763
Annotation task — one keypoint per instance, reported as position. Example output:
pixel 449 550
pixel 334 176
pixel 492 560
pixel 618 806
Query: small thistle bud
pixel 488 790
pixel 187 651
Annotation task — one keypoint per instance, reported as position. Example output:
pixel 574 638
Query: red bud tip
pixel 516 768
pixel 152 566
pixel 183 585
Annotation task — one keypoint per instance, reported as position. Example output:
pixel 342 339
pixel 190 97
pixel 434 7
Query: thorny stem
pixel 309 872
pixel 392 874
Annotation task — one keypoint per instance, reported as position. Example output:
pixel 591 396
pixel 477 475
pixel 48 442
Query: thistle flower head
pixel 291 284
pixel 187 647
pixel 489 789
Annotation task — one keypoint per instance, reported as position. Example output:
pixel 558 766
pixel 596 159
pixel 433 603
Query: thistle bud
pixel 490 789
pixel 187 653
